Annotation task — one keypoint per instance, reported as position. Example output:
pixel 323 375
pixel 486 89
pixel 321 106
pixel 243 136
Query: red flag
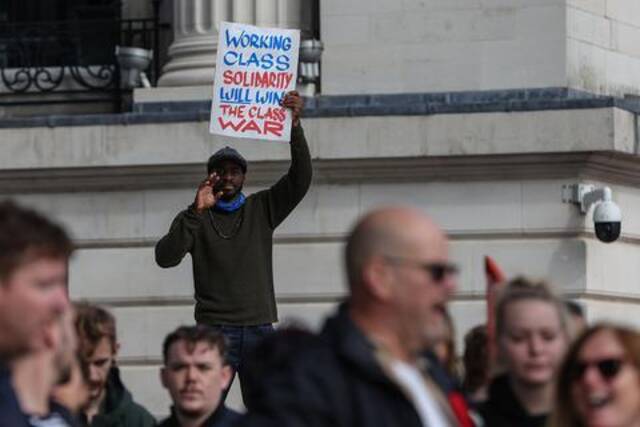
pixel 495 277
pixel 460 409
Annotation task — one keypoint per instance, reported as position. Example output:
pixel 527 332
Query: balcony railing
pixel 69 57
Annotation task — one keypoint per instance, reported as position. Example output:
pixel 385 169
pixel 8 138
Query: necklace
pixel 234 229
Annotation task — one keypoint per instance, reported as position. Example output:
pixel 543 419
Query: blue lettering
pixel 287 42
pixel 258 41
pixel 235 95
pixel 245 39
pixel 231 40
pixel 267 61
pixel 268 97
pixel 255 39
pixel 282 63
pixel 230 57
pixel 253 60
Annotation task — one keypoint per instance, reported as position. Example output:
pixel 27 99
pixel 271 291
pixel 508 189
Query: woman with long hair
pixel 532 337
pixel 599 383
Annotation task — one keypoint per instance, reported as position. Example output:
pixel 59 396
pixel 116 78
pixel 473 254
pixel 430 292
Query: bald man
pixel 364 368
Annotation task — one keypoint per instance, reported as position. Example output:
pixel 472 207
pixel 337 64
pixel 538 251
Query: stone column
pixel 196 25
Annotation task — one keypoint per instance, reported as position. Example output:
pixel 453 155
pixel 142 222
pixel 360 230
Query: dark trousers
pixel 241 340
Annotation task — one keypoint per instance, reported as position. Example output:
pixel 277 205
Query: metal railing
pixel 70 56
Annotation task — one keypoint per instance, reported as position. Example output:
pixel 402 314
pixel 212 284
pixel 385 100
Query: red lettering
pixel 251 126
pixel 268 126
pixel 236 127
pixel 239 78
pixel 273 127
pixel 227 77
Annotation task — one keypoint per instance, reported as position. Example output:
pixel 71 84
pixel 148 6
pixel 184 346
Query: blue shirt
pixel 10 413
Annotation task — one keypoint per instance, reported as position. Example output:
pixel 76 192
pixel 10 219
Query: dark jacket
pixel 222 417
pixel 119 409
pixel 231 252
pixel 333 380
pixel 503 409
pixel 10 413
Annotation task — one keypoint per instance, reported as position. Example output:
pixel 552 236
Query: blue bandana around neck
pixel 231 206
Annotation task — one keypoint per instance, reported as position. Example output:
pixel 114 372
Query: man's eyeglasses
pixel 607 368
pixel 437 270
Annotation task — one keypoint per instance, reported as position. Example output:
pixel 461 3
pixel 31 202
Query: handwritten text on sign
pixel 255 68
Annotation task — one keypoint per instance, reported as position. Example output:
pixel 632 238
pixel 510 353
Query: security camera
pixel 607 220
pixel 607 217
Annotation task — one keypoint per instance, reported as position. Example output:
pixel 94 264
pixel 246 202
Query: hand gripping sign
pixel 255 68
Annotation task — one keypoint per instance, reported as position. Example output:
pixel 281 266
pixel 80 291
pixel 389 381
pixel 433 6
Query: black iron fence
pixel 71 56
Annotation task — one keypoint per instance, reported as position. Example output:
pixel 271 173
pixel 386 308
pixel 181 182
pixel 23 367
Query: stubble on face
pixel 195 377
pixel 420 300
pixel 99 364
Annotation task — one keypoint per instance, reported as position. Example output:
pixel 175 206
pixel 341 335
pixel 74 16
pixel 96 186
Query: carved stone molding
pixel 609 167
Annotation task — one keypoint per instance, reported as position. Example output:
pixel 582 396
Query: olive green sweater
pixel 233 276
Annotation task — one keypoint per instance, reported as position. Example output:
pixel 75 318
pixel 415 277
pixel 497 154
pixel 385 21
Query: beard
pixel 229 197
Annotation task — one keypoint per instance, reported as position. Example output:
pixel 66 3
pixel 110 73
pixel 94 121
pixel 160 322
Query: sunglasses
pixel 607 368
pixel 437 270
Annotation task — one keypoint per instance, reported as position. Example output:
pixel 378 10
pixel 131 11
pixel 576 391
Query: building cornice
pixel 611 167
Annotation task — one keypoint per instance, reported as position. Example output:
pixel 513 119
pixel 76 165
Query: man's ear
pixel 377 278
pixel 226 374
pixel 116 349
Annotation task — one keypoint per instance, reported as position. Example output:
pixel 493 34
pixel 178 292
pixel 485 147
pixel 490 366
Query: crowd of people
pixel 386 357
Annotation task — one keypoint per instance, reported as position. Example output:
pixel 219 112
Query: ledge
pixel 409 104
pixel 609 167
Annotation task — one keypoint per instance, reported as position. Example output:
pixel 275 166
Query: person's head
pixel 195 371
pixel 531 332
pixel 599 383
pixel 476 362
pixel 34 255
pixel 98 344
pixel 231 168
pixel 399 272
pixel 577 317
pixel 272 357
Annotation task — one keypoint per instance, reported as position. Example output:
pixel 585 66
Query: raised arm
pixel 291 188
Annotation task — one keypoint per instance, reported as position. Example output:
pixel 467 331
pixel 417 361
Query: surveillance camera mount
pixel 585 195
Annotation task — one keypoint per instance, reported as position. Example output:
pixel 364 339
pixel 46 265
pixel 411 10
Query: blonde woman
pixel 532 337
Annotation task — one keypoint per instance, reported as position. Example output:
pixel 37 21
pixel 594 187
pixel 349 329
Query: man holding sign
pixel 230 239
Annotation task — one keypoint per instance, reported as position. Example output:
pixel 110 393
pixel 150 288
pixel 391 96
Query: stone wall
pixel 603 46
pixel 438 45
pixel 390 46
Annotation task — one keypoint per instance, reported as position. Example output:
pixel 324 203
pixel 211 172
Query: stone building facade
pixel 476 111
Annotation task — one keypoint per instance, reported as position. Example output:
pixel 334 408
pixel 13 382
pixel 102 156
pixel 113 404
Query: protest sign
pixel 255 68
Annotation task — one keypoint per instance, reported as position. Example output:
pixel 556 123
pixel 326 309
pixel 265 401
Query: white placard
pixel 255 68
